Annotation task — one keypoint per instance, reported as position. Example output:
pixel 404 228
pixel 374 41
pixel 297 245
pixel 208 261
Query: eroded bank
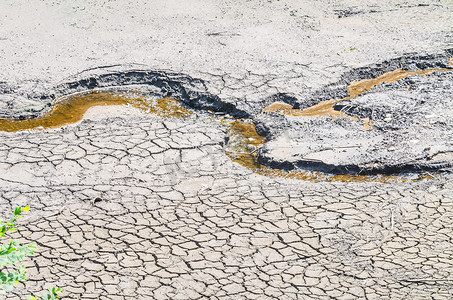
pixel 243 142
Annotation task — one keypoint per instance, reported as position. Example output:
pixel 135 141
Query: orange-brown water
pixel 72 108
pixel 324 108
pixel 359 87
pixel 356 88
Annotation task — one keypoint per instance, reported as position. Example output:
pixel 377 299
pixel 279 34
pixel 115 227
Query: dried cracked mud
pixel 250 171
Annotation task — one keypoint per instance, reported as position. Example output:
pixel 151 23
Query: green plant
pixel 52 295
pixel 12 253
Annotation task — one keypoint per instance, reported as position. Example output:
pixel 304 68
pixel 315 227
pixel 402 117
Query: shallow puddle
pixel 71 109
pixel 244 140
pixel 359 87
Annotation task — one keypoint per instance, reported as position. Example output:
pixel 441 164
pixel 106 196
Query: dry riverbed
pixel 224 150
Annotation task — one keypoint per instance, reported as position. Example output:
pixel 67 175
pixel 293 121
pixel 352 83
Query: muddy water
pixel 244 140
pixel 356 88
pixel 71 109
pixel 359 87
pixel 326 108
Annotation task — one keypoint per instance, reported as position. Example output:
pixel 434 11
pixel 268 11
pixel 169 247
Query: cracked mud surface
pixel 125 208
pixel 131 205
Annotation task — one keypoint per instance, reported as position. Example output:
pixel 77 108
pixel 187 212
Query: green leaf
pixel 53 294
pixel 15 218
pixel 17 211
